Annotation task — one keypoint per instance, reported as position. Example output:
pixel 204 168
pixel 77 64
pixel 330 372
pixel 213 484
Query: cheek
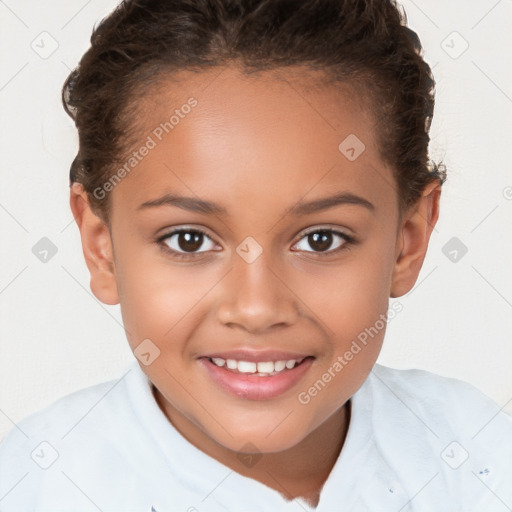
pixel 156 297
pixel 350 296
pixel 352 305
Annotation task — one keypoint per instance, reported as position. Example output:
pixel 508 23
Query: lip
pixel 257 356
pixel 254 387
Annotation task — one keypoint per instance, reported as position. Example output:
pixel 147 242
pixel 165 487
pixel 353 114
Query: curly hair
pixel 364 43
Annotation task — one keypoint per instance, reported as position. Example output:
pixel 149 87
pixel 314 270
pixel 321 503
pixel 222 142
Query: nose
pixel 256 297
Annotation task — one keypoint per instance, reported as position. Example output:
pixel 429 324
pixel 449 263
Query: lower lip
pixel 253 387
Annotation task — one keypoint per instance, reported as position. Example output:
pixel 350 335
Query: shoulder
pixel 100 439
pixel 448 402
pixel 70 429
pixel 425 384
pixel 52 418
pixel 428 426
pixel 443 405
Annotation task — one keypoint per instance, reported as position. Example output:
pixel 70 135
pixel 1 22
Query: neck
pixel 300 471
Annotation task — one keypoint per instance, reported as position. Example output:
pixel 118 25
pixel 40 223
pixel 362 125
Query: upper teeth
pixel 266 367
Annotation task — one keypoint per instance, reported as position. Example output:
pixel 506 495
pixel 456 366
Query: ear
pixel 97 246
pixel 412 242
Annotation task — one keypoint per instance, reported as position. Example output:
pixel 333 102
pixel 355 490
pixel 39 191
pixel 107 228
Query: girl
pixel 252 186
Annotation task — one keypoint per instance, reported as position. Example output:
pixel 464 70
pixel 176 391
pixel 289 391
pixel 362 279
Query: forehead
pixel 280 134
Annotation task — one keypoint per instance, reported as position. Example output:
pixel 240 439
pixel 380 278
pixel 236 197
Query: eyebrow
pixel 192 204
pixel 301 208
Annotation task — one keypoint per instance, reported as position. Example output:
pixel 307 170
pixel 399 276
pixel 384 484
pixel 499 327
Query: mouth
pixel 261 379
pixel 260 368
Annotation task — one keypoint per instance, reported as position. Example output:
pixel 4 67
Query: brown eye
pixel 188 241
pixel 320 241
pixel 323 241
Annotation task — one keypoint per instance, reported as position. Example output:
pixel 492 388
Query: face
pixel 245 235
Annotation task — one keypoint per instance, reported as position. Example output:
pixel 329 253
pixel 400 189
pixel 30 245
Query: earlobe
pixel 412 241
pixel 96 245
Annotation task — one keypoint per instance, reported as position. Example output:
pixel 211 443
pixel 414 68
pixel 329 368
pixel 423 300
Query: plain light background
pixel 55 337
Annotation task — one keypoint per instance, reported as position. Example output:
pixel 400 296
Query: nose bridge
pixel 254 294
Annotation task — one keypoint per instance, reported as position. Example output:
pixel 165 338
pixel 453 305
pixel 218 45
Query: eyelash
pixel 187 256
pixel 176 254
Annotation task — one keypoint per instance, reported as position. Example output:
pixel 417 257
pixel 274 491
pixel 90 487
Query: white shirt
pixel 416 442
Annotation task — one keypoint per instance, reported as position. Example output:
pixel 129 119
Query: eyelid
pixel 170 232
pixel 327 227
pixel 343 232
pixel 348 240
pixel 173 230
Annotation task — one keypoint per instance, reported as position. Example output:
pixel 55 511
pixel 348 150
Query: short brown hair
pixel 363 42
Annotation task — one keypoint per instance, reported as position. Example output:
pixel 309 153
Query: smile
pixel 262 369
pixel 253 380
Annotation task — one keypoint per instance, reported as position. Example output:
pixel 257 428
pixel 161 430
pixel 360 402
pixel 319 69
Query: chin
pixel 260 441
